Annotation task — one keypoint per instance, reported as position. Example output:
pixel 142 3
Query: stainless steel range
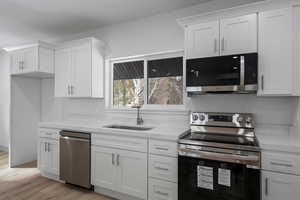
pixel 219 158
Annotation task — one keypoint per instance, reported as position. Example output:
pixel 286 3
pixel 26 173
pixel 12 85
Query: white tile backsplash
pixel 274 115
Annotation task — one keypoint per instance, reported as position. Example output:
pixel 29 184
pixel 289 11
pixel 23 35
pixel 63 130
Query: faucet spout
pixel 139 119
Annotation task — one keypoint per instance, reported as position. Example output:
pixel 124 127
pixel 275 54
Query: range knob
pixel 195 117
pixel 249 120
pixel 240 119
pixel 201 117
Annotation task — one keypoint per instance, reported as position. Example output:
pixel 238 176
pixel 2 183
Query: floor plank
pixel 26 183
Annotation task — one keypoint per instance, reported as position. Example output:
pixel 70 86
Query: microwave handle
pixel 242 71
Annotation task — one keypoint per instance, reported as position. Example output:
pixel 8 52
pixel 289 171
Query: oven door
pixel 232 73
pixel 216 180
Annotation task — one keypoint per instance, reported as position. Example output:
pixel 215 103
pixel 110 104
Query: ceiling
pixel 22 21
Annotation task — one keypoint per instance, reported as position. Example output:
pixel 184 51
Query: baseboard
pixel 114 194
pixel 48 175
pixel 3 148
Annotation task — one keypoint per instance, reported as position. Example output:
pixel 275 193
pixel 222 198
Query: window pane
pixel 128 83
pixel 165 90
pixel 165 82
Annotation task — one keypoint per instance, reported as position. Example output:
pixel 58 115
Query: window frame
pixel 145 58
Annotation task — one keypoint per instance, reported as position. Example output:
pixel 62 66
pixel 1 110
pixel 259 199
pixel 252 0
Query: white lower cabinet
pixel 121 171
pixel 162 167
pixel 48 154
pixel 278 186
pixel 163 170
pixel 162 190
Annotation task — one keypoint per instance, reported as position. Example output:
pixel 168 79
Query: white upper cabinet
pixel 79 68
pixel 238 35
pixel 202 40
pixel 277 52
pixel 225 37
pixel 36 61
pixel 63 72
pixel 81 74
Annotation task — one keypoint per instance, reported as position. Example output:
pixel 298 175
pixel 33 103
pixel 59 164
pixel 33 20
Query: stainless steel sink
pixel 135 128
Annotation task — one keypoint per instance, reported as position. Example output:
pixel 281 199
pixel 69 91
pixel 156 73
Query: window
pixel 128 83
pixel 150 81
pixel 165 81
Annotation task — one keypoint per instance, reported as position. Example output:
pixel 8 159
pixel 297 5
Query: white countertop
pixel 283 143
pixel 161 133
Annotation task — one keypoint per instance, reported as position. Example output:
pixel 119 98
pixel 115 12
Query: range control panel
pixel 222 119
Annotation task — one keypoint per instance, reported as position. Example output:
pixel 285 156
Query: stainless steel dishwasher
pixel 75 158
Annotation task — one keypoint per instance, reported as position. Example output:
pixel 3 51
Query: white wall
pixel 4 101
pixel 25 116
pixel 161 33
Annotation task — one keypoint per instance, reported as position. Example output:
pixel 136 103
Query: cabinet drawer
pixel 49 133
pixel 281 162
pixel 162 190
pixel 165 168
pixel 163 148
pixel 120 142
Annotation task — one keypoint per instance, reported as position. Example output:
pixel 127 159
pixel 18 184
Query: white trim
pixel 145 57
pixel 173 112
pixel 38 44
pixel 120 59
pixel 236 11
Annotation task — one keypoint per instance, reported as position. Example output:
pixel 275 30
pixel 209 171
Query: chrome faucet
pixel 139 119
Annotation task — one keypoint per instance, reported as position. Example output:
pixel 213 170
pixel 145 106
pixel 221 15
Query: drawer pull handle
pixel 48 133
pixel 162 193
pixel 113 159
pixel 281 164
pixel 161 168
pixel 267 186
pixel 162 148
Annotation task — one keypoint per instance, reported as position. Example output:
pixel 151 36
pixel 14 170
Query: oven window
pixel 215 71
pixel 217 180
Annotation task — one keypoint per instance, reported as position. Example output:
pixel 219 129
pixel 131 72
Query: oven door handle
pixel 233 158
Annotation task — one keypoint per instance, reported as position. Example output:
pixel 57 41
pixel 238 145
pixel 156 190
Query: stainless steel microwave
pixel 222 74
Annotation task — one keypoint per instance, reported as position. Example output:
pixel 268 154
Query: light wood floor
pixel 26 183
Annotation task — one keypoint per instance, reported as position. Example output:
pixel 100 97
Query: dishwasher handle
pixel 75 134
pixel 74 139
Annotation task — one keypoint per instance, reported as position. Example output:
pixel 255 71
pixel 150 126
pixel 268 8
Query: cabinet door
pixel 30 59
pixel 276 186
pixel 82 71
pixel 103 165
pixel 62 72
pixel 276 52
pixel 239 35
pixel 15 63
pixel 132 173
pixel 202 40
pixel 53 151
pixel 43 158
